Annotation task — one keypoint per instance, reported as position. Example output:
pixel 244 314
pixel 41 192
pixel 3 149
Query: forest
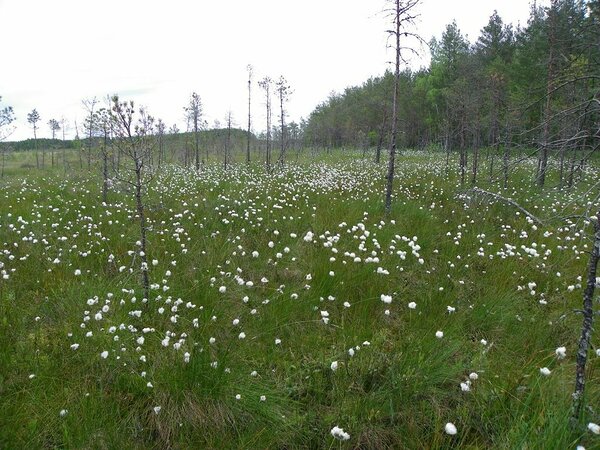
pixel 530 89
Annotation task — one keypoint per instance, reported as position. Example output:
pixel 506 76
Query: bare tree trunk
pixel 588 320
pixel 506 158
pixel 197 146
pixel 495 141
pixel 282 150
pixel 89 155
pixel 463 151
pixel 142 219
pixel 475 158
pixel 37 156
pixel 392 156
pixel 105 171
pixel 268 135
pixel 543 159
pixel 381 134
pixel 570 179
pixel 249 116
pixel 228 140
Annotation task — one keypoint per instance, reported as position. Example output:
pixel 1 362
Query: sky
pixel 156 53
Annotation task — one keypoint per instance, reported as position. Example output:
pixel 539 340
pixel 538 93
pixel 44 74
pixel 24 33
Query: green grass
pixel 398 390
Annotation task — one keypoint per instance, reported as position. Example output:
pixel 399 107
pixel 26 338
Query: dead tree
pixel 249 116
pixel 588 321
pixel 543 155
pixel 90 125
pixel 160 132
pixel 226 152
pixel 283 93
pixel 105 123
pixel 402 17
pixel 63 126
pixel 265 85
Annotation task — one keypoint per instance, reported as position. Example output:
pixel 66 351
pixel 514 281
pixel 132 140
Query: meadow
pixel 288 311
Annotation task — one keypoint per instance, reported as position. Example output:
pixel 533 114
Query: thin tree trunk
pixel 64 150
pixel 543 163
pixel 142 219
pixel 197 146
pixel 105 171
pixel 249 116
pixel 381 135
pixel 282 151
pixel 506 158
pixel 392 155
pixel 588 320
pixel 475 158
pixel 37 156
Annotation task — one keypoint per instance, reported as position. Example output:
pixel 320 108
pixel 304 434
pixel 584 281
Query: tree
pixel 33 118
pixel 495 48
pixel 89 124
pixel 105 123
pixel 265 85
pixel 402 16
pixel 249 68
pixel 194 117
pixel 54 127
pixel 588 321
pixel 283 93
pixel 6 119
pixel 226 152
pixel 160 132
pixel 63 127
pixel 136 142
pixel 174 131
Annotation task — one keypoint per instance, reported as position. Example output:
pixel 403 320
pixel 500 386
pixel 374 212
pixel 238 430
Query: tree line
pixel 533 88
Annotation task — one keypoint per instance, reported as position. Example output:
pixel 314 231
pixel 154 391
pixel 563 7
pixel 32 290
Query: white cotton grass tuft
pixel 545 371
pixel 594 427
pixel 334 366
pixel 439 334
pixel 561 352
pixel 450 429
pixel 339 433
pixel 387 299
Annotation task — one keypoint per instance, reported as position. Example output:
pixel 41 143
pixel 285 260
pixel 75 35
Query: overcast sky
pixel 56 53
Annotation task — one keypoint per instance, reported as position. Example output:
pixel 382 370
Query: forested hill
pixel 531 85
